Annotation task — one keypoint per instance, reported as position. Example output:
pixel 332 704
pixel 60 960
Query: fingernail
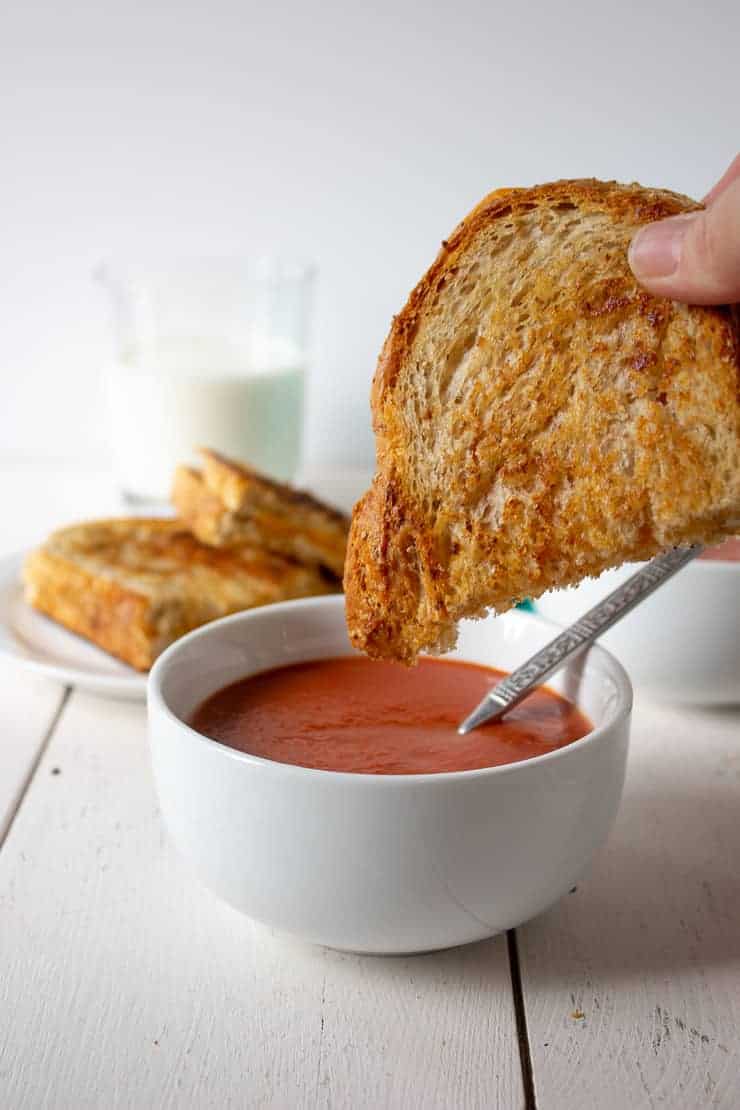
pixel 656 249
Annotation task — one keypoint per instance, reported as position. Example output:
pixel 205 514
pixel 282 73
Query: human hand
pixel 694 258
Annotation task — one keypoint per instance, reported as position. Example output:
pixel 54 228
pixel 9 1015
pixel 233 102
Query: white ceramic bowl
pixel 682 643
pixel 381 863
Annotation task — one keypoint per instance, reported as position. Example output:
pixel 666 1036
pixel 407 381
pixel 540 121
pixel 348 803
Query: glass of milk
pixel 208 354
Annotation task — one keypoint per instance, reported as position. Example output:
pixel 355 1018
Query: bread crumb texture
pixel 539 418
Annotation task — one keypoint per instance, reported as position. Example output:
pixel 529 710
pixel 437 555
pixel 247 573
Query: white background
pixel 357 134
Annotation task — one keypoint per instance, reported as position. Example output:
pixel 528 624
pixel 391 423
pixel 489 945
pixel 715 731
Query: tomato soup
pixel 353 714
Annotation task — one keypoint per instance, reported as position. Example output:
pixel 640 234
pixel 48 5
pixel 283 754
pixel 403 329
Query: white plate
pixel 45 647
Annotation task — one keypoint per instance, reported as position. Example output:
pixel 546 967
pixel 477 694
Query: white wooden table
pixel 123 983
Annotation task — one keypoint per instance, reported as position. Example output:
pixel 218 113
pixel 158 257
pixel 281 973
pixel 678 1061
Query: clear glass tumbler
pixel 208 354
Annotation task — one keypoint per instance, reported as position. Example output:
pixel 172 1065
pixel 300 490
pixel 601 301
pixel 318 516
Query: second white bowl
pixel 682 643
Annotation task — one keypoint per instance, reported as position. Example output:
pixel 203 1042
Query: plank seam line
pixel 51 728
pixel 520 1014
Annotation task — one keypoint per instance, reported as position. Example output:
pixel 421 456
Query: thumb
pixel 695 257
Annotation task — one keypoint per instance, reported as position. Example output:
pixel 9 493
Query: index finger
pixel 731 173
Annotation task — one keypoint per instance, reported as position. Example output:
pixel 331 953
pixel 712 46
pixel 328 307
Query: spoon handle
pixel 509 692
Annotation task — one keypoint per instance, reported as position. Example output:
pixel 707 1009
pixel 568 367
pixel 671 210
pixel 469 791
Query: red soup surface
pixel 727 552
pixel 353 714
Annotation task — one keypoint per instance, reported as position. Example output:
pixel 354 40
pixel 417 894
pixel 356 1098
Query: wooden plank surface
pixel 632 984
pixel 27 710
pixel 131 986
pixel 124 984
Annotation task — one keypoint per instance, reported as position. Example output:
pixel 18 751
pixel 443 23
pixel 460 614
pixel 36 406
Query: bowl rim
pixel 156 701
pixel 727 565
pixel 723 566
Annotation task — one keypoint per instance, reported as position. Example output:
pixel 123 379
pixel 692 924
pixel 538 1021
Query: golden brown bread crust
pixel 632 205
pixel 539 417
pixel 116 619
pixel 133 586
pixel 204 512
pixel 229 505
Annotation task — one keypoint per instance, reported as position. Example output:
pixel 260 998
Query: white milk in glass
pixel 187 394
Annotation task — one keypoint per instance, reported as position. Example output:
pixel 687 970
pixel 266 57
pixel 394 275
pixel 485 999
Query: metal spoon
pixel 511 690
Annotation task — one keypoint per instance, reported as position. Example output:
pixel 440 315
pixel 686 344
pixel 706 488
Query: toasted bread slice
pixel 539 418
pixel 133 586
pixel 229 504
pixel 205 513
